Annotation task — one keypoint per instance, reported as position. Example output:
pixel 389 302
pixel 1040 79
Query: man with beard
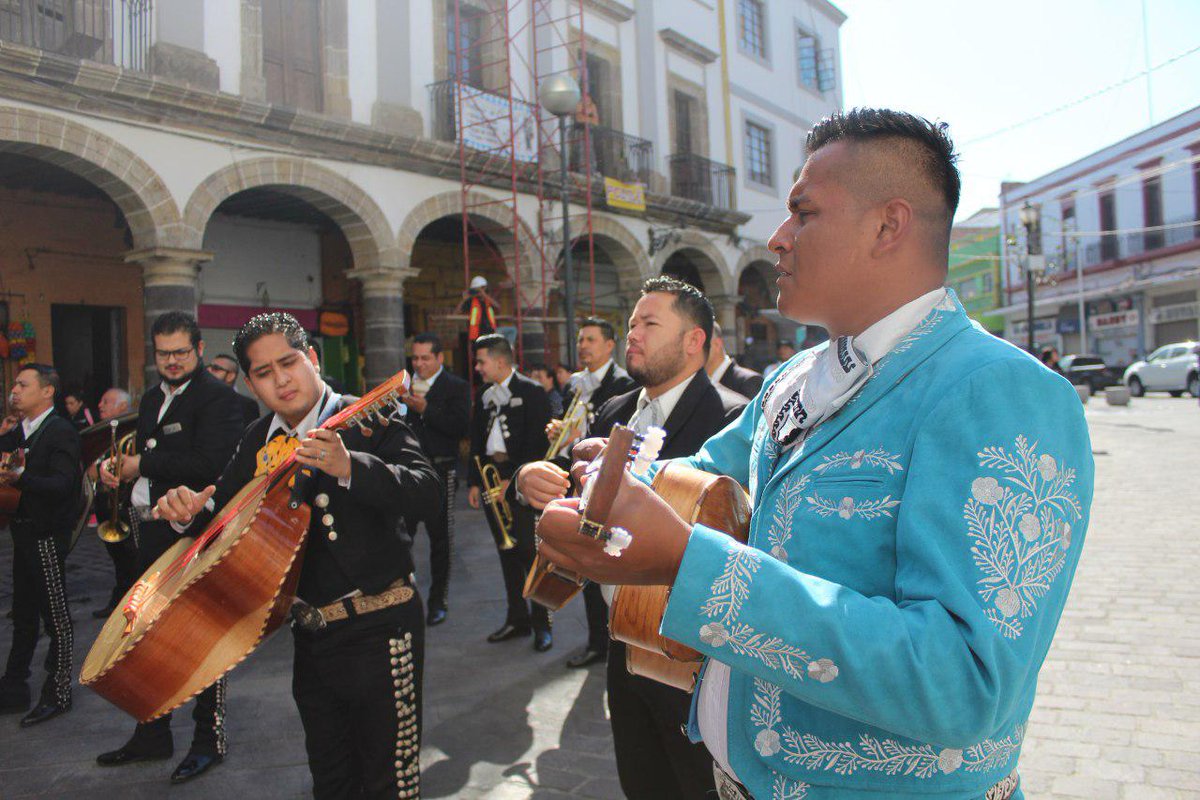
pixel 667 346
pixel 41 532
pixel 188 427
pixel 914 531
pixel 359 633
pixel 225 367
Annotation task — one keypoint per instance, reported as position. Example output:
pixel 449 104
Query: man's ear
pixel 894 220
pixel 249 385
pixel 200 349
pixel 693 341
pixel 312 356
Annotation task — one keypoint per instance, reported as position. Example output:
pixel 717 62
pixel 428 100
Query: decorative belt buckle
pixel 306 617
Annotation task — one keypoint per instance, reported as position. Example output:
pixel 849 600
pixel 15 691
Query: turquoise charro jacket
pixel 906 570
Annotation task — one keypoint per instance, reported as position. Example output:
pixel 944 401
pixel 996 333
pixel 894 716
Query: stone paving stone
pixel 1117 714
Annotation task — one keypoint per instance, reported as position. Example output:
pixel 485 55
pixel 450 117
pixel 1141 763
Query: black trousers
pixel 154 538
pixel 124 559
pixel 439 525
pixel 597 617
pixel 40 596
pixel 655 760
pixel 357 684
pixel 515 564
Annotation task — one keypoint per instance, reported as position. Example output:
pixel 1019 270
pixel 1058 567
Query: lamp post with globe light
pixel 559 94
pixel 1035 263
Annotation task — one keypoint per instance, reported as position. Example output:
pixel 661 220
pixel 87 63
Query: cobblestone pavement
pixel 1118 711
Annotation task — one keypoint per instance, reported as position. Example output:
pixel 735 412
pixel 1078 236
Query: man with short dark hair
pixel 225 368
pixel 665 352
pixel 544 376
pixel 360 643
pixel 508 429
pixel 188 427
pixel 724 370
pixel 41 531
pixel 914 531
pixel 439 411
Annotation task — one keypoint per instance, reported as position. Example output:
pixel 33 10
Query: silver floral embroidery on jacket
pixel 878 458
pixel 788 504
pixel 1020 530
pixel 849 507
pixel 869 753
pixel 786 789
pixel 727 595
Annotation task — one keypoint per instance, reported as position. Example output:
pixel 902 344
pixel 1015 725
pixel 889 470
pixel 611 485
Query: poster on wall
pixel 484 124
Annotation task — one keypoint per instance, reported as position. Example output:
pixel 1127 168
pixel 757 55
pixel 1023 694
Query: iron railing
pixel 109 31
pixel 1112 246
pixel 697 178
pixel 614 154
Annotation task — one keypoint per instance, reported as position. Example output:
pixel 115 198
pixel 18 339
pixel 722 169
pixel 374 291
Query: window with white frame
pixel 752 27
pixel 758 154
pixel 808 48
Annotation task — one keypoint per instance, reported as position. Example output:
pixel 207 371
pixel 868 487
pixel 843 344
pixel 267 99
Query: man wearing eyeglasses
pixel 188 427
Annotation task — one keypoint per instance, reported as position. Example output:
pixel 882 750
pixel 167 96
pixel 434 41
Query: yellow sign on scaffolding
pixel 629 196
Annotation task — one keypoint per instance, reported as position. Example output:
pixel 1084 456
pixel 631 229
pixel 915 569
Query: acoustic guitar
pixel 10 496
pixel 208 602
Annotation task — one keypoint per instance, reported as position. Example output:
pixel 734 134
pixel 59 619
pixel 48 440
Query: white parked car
pixel 1170 368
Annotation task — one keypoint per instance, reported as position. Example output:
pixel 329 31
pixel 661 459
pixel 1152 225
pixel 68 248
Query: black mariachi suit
pixel 356 682
pixel 744 381
pixel 647 716
pixel 523 425
pixel 41 531
pixel 187 447
pixel 439 430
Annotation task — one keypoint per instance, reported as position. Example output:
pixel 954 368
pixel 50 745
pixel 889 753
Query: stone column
pixel 169 284
pixel 725 309
pixel 383 321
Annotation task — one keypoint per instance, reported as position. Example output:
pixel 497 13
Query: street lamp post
pixel 559 94
pixel 1035 262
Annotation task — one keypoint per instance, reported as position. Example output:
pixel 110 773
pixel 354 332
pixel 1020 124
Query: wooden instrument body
pixel 636 612
pixel 200 622
pixel 10 496
pixel 551 585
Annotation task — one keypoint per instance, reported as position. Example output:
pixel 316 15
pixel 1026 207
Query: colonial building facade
pixel 1120 238
pixel 226 156
pixel 974 272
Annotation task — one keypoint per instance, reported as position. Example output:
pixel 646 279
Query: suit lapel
pixel 688 402
pixel 945 321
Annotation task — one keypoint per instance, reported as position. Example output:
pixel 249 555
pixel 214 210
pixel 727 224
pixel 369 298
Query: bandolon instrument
pixel 208 602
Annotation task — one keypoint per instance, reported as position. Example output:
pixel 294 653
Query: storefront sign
pixel 630 196
pixel 1174 313
pixel 1041 327
pixel 1117 319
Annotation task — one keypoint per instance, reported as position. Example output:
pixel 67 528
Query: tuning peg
pixel 364 430
pixel 647 450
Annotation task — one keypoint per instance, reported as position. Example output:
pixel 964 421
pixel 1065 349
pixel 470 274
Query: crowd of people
pixel 913 537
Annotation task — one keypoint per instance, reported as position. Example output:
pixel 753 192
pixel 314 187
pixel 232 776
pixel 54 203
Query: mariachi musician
pixel 508 427
pixel 41 530
pixel 187 429
pixel 666 350
pixel 114 403
pixel 358 623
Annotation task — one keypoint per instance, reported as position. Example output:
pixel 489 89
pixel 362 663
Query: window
pixel 985 282
pixel 1108 222
pixel 752 28
pixel 807 48
pixel 1152 213
pixel 758 154
pixel 292 53
pixel 1067 212
pixel 463 51
pixel 684 107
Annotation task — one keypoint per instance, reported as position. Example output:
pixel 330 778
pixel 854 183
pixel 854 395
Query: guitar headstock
pixel 603 476
pixel 374 407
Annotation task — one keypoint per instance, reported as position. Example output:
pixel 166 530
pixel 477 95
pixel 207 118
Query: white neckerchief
pixel 311 419
pixel 586 382
pixel 828 393
pixel 421 387
pixel 498 394
pixel 813 389
pixel 721 369
pixel 31 425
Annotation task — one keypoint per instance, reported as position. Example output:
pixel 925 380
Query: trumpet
pixel 572 425
pixel 493 496
pixel 116 529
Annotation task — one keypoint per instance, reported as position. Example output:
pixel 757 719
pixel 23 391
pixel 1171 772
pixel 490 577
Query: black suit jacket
pixel 744 381
pixel 195 438
pixel 50 483
pixel 703 409
pixel 522 422
pixel 359 543
pixel 445 418
pixel 249 406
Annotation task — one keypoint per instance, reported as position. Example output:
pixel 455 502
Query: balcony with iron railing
pixel 613 154
pixel 116 32
pixel 697 178
pixel 1115 246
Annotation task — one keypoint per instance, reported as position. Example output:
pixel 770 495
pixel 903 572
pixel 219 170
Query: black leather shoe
pixel 507 632
pixel 436 616
pixel 129 755
pixel 194 765
pixel 588 656
pixel 542 641
pixel 42 712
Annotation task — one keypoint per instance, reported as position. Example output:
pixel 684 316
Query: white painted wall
pixel 253 255
pixel 223 41
pixel 364 75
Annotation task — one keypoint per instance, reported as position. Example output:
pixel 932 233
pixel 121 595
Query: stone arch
pixel 494 219
pixel 627 253
pixel 354 211
pixel 711 265
pixel 147 205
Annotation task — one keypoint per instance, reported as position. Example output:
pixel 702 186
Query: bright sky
pixel 983 66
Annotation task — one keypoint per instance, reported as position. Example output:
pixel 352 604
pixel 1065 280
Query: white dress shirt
pixel 141 489
pixel 31 425
pixel 495 441
pixel 874 343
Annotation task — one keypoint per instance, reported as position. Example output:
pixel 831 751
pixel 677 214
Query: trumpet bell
pixel 112 532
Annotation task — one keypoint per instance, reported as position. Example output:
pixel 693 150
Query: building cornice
pixel 687 45
pixel 612 9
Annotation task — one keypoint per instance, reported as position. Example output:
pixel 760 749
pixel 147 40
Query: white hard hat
pixel 478 282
